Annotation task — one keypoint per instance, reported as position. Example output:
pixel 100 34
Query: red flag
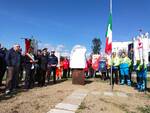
pixel 27 45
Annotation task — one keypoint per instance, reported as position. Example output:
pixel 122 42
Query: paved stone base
pixel 71 103
pixel 59 111
pixel 66 106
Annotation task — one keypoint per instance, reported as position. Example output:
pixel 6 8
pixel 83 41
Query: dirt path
pixel 41 100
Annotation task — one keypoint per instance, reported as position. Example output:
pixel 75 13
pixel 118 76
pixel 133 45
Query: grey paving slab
pixel 120 94
pixel 80 94
pixel 77 96
pixel 108 94
pixel 96 93
pixel 67 106
pixel 73 101
pixel 59 111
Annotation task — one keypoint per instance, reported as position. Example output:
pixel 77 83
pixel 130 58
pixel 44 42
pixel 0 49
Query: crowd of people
pixel 38 68
pixel 122 67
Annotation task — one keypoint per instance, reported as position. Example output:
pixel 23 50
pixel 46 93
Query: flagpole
pixel 111 6
pixel 112 85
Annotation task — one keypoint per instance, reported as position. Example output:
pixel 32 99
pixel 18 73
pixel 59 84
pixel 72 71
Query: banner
pixel 95 61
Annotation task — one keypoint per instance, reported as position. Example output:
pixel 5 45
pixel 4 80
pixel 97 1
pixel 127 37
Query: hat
pixel 16 45
pixel 44 49
pixel 52 51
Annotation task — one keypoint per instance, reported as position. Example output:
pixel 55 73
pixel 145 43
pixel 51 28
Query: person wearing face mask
pixel 13 63
pixel 125 63
pixel 53 62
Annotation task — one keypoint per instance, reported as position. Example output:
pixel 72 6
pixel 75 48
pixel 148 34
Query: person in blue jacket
pixel 53 62
pixel 141 70
pixel 125 63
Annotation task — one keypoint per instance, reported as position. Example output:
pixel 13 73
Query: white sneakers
pixel 7 92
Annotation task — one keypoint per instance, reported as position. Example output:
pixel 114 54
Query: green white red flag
pixel 108 47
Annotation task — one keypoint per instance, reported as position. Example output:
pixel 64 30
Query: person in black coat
pixel 21 77
pixel 38 68
pixel 2 64
pixel 13 63
pixel 43 66
pixel 29 68
pixel 53 62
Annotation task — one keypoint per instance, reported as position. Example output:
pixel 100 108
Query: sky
pixel 65 23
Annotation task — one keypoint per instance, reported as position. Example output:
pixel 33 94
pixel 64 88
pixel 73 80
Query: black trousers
pixel 21 73
pixel 86 73
pixel 42 77
pixel 53 69
pixel 69 72
pixel 2 73
pixel 65 73
pixel 29 78
pixel 38 76
pixel 103 76
pixel 115 76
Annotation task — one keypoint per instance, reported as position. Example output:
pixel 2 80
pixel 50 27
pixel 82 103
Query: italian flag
pixel 108 47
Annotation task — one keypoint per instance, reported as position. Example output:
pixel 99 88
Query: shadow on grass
pixel 88 81
pixel 21 89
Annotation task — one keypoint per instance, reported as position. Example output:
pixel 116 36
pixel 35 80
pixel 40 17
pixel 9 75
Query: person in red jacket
pixel 65 67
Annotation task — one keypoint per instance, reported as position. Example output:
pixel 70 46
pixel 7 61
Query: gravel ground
pixel 41 100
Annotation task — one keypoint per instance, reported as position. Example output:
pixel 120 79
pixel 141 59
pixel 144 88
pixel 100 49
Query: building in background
pixel 119 46
pixel 141 45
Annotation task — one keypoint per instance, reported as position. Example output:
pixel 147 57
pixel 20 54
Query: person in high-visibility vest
pixel 125 63
pixel 141 70
pixel 115 67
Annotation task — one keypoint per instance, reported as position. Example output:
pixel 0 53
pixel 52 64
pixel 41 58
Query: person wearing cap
pixel 53 62
pixel 13 63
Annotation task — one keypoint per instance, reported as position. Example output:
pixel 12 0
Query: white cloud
pixel 59 48
pixel 46 45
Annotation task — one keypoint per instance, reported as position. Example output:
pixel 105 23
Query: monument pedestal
pixel 78 76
